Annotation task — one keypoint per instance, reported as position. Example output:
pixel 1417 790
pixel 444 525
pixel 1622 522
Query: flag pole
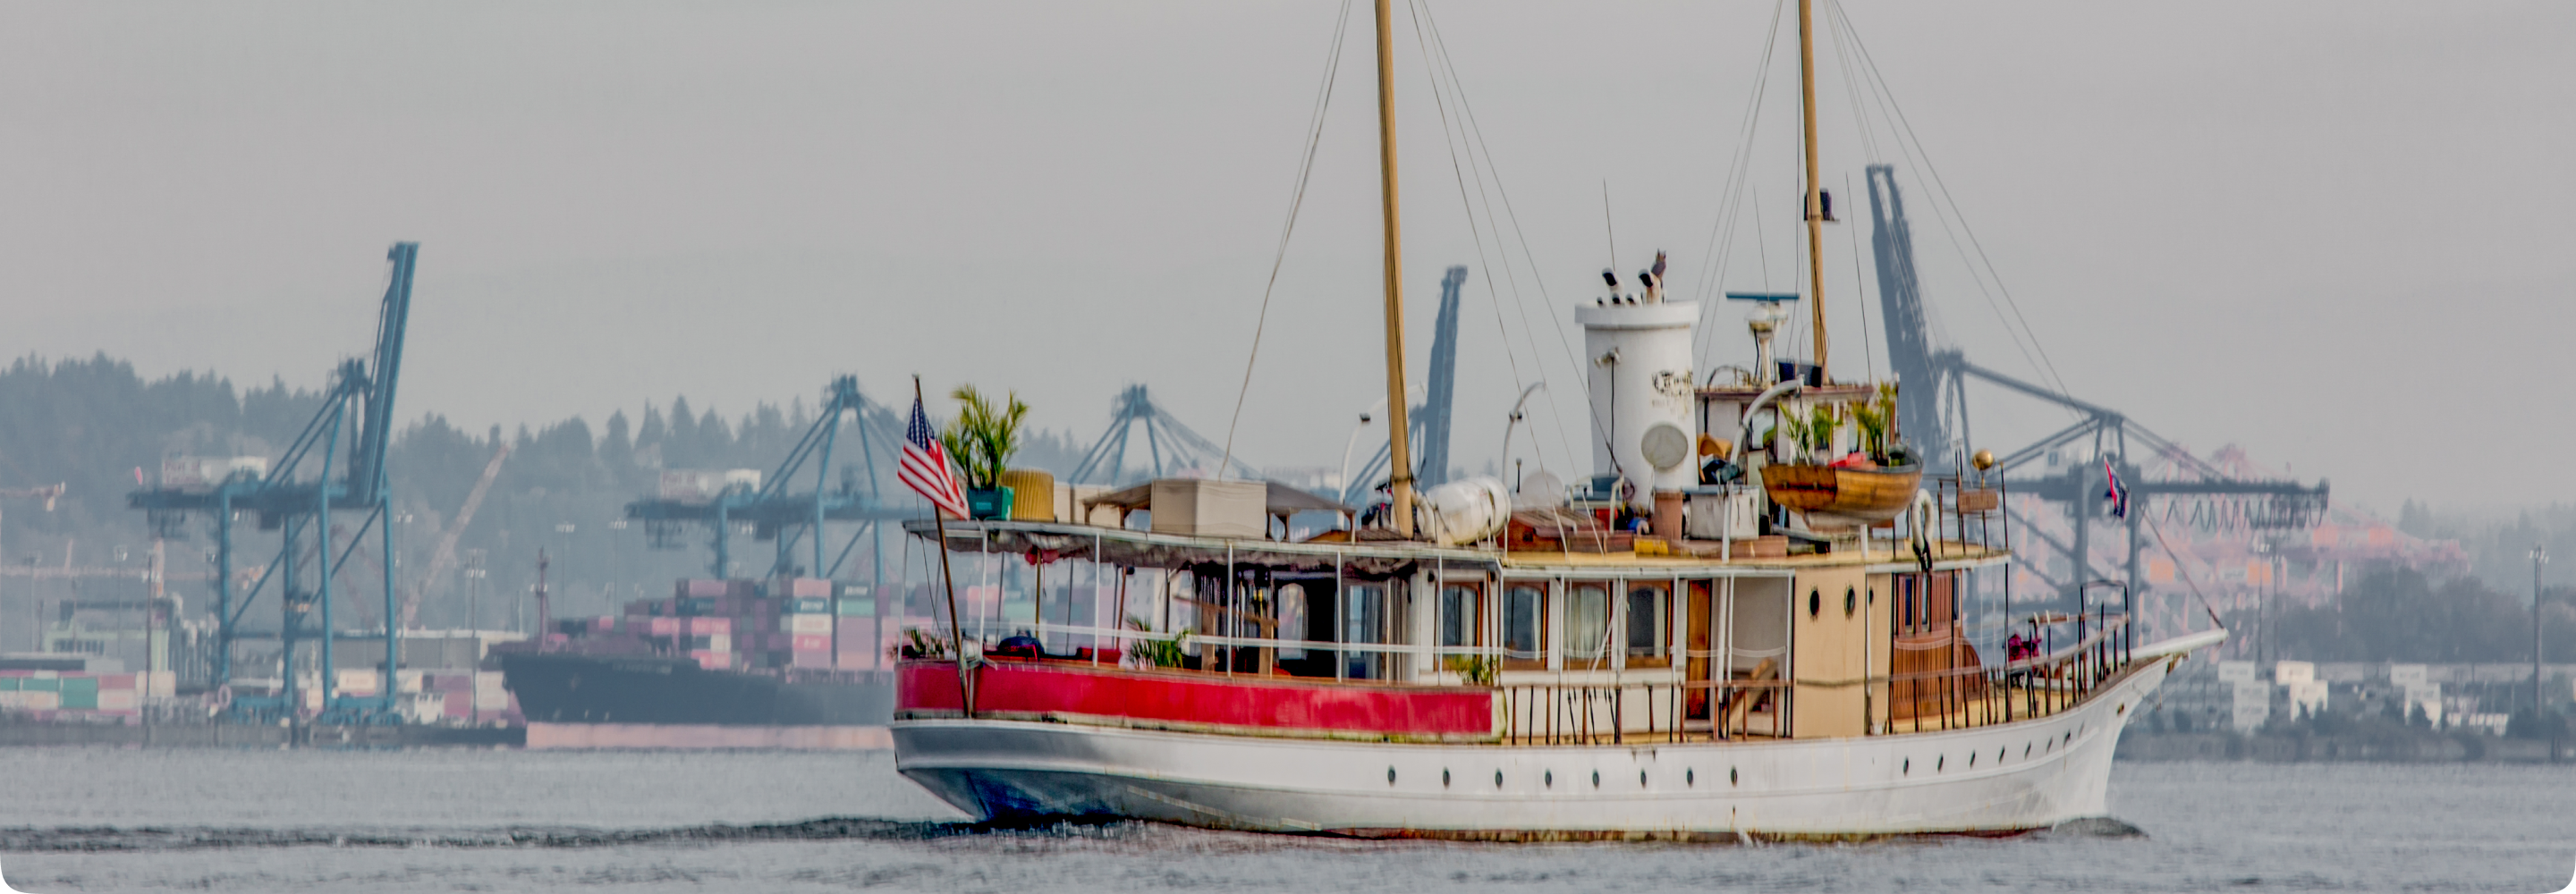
pixel 956 625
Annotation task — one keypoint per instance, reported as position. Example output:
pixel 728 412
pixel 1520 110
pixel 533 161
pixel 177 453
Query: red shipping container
pixel 108 682
pixel 812 642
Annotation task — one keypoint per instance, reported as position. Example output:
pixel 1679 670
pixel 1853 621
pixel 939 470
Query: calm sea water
pixel 445 820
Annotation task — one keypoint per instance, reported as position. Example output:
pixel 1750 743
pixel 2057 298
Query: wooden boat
pixel 1541 682
pixel 1841 498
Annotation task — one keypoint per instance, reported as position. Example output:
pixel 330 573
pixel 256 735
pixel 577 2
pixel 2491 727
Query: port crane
pixel 1934 405
pixel 776 511
pixel 1429 420
pixel 336 464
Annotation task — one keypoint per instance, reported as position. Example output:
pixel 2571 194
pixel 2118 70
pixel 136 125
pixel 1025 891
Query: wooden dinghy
pixel 1841 496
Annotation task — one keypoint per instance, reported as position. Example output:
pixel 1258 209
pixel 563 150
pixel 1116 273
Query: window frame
pixel 1540 624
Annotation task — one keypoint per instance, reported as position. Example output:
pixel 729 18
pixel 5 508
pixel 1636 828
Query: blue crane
pixel 299 508
pixel 778 512
pixel 1430 420
pixel 1933 406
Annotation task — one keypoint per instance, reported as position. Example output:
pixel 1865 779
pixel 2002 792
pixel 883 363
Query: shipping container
pixel 702 626
pixel 801 587
pixel 811 659
pixel 806 623
pixel 118 700
pixel 812 642
pixel 812 605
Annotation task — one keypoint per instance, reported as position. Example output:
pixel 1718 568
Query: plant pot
pixel 988 502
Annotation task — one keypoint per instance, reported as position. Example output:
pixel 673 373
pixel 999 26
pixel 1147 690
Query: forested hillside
pixel 99 428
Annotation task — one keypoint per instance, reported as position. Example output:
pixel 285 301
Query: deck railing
pixel 1963 698
pixel 1969 515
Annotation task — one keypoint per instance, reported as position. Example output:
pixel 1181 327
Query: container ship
pixel 783 652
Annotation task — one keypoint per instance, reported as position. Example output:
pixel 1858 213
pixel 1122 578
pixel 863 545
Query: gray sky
pixel 2331 232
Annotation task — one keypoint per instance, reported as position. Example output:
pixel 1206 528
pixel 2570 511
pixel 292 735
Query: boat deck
pixel 1124 546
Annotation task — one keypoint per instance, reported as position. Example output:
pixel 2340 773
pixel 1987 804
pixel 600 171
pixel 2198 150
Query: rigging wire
pixel 1305 171
pixel 1869 358
pixel 1467 112
pixel 2033 350
pixel 1520 302
pixel 1458 172
pixel 1720 251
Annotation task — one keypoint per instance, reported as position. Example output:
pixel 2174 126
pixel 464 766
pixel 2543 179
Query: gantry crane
pixel 1933 405
pixel 776 512
pixel 299 508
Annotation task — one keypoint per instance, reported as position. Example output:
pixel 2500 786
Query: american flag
pixel 925 466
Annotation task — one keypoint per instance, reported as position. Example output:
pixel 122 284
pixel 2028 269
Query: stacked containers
pixel 855 636
pixel 808 621
pixel 52 694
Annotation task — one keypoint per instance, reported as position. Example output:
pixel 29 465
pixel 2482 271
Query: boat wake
pixel 110 839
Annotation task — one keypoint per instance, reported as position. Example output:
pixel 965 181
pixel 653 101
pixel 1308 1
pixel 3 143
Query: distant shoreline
pixel 2426 747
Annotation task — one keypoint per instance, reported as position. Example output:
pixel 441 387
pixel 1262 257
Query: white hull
pixel 2017 776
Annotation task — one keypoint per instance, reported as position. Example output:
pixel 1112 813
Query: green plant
pixel 1157 652
pixel 1477 670
pixel 917 644
pixel 983 437
pixel 1822 421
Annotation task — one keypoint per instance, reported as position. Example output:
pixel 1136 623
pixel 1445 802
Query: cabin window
pixel 1525 626
pixel 1460 610
pixel 1364 621
pixel 1292 619
pixel 1649 625
pixel 1587 625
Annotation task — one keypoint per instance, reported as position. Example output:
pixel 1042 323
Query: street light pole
pixel 2539 557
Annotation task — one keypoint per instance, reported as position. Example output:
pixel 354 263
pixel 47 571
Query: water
pixel 503 821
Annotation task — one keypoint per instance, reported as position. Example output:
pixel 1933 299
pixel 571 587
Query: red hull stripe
pixel 1269 703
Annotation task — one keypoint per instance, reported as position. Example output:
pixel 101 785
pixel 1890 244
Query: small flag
pixel 925 466
pixel 2118 494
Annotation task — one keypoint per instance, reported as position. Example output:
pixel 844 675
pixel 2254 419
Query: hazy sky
pixel 2333 233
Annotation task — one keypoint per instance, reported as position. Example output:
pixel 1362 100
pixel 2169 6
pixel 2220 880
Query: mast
pixel 1814 200
pixel 1399 453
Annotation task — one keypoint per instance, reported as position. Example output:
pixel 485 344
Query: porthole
pixel 1999 755
pixel 1596 779
pixel 1730 776
pixel 2025 750
pixel 1548 779
pixel 1390 775
pixel 1498 779
pixel 1851 600
pixel 1815 602
pixel 1908 769
pixel 1940 762
pixel 1690 777
pixel 1444 777
pixel 1972 759
pixel 1641 779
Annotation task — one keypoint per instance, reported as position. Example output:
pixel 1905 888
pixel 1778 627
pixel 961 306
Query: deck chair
pixel 1739 703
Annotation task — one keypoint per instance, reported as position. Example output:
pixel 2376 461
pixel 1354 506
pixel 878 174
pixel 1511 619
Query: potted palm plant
pixel 982 439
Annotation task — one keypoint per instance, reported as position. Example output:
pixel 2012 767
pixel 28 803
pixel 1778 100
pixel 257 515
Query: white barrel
pixel 1640 358
pixel 1464 511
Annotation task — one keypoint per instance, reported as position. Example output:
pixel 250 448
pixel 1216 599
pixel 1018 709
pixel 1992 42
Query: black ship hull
pixel 557 688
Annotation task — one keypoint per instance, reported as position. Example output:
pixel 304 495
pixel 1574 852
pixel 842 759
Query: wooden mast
pixel 1399 453
pixel 1814 200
